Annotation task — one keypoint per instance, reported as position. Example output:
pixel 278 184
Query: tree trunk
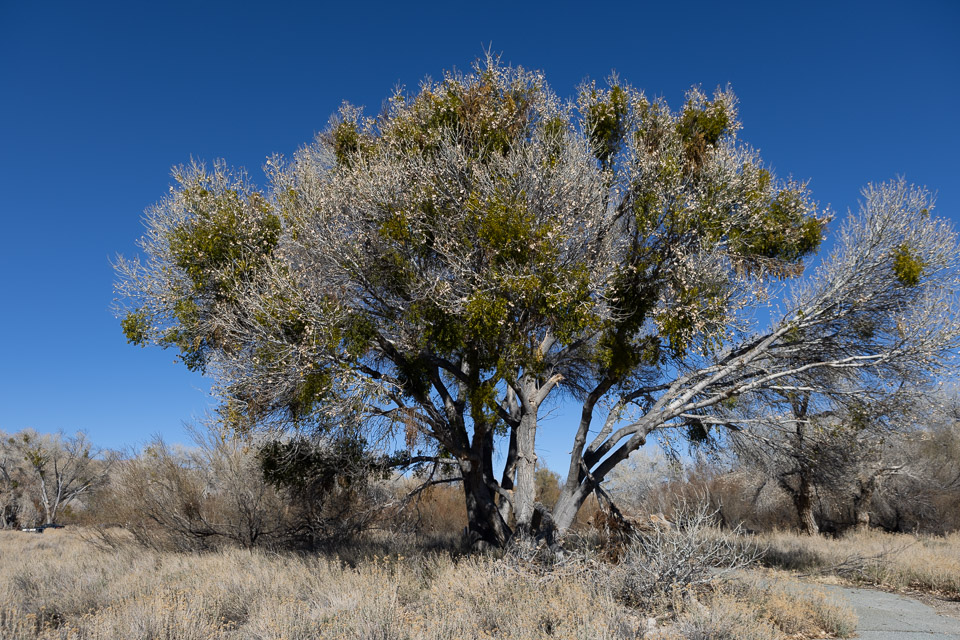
pixel 525 492
pixel 803 500
pixel 486 528
pixel 509 471
pixel 45 501
pixel 861 502
pixel 568 505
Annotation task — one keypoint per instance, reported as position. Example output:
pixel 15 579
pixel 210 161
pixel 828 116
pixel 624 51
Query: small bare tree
pixel 634 482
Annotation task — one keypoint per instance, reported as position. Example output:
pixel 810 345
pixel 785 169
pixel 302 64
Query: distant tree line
pixel 899 472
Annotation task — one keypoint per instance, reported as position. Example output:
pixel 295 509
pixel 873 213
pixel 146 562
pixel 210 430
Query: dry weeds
pixel 59 586
pixel 892 561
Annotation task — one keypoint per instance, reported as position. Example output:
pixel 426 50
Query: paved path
pixel 888 616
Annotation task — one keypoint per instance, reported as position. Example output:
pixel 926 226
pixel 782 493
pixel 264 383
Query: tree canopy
pixel 448 266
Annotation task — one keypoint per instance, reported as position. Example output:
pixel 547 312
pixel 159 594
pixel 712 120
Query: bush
pixel 669 558
pixel 234 491
pixel 727 619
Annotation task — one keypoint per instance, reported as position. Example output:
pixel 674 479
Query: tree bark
pixel 525 492
pixel 803 500
pixel 486 528
pixel 861 502
pixel 569 504
pixel 524 495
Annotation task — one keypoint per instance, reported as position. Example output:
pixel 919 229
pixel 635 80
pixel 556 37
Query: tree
pixel 813 447
pixel 12 499
pixel 634 482
pixel 53 469
pixel 483 248
pixel 920 473
pixel 547 486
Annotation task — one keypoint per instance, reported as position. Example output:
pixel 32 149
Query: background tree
pixel 12 498
pixel 548 486
pixel 918 486
pixel 638 479
pixel 810 452
pixel 53 469
pixel 482 246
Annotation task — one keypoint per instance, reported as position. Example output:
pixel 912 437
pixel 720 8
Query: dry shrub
pixel 438 510
pixel 796 609
pixel 670 558
pixel 217 494
pixel 724 619
pixel 182 499
pixel 654 483
pixel 249 594
pixel 749 609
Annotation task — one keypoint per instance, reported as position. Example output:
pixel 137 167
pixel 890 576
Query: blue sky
pixel 98 100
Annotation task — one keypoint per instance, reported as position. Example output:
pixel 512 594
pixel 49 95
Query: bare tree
pixel 57 468
pixel 634 482
pixel 170 497
pixel 482 247
pixel 917 475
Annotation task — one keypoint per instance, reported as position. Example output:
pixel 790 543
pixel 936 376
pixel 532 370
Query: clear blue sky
pixel 98 100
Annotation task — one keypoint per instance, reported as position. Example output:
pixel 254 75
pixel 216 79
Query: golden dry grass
pixel 892 561
pixel 59 586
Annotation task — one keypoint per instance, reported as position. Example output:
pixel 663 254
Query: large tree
pixel 482 248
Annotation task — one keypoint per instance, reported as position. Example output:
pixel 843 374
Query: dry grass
pixel 752 609
pixel 892 561
pixel 60 586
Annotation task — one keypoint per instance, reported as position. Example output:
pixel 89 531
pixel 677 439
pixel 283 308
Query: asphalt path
pixel 888 616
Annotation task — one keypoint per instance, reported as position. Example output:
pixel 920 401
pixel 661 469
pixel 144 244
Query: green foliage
pixel 226 239
pixel 313 387
pixel 186 335
pixel 136 327
pixel 414 376
pixel 346 142
pixel 505 229
pixel 784 232
pixel 701 127
pixel 306 468
pixel 359 334
pixel 487 116
pixel 223 240
pixel 605 119
pixel 907 266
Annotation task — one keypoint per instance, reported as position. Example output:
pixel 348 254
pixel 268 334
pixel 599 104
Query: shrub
pixel 233 491
pixel 668 558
